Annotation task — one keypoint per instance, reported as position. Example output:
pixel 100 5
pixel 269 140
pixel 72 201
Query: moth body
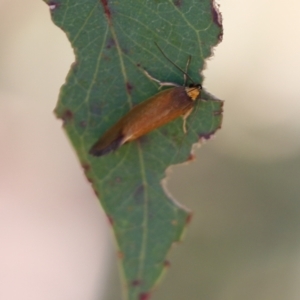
pixel 153 113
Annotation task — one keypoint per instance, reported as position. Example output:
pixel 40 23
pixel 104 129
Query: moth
pixel 158 110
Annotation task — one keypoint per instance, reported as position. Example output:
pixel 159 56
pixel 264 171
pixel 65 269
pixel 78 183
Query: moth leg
pixel 185 116
pixel 161 84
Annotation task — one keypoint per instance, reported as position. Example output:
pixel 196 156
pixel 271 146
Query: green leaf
pixel 113 42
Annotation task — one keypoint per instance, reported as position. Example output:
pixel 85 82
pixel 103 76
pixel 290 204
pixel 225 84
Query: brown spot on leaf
pixel 189 218
pixel 136 282
pixel 67 116
pixel 174 222
pixel 178 3
pixel 96 193
pixel 143 140
pixel 144 296
pixel 115 181
pixel 165 132
pixel 83 124
pixel 120 255
pixel 53 5
pixel 219 111
pixel 191 157
pixel 86 166
pixel 106 9
pixel 105 57
pixel 110 220
pixel 139 194
pixel 130 208
pixel 167 264
pixel 217 18
pixel 96 108
pixel 207 135
pixel 129 87
pixel 118 180
pixel 74 66
pixel 110 43
pixel 89 179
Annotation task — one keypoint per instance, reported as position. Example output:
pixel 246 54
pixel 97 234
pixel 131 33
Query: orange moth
pixel 153 113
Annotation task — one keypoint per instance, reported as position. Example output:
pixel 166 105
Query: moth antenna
pixel 167 58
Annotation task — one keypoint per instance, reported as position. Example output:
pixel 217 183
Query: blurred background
pixel 244 238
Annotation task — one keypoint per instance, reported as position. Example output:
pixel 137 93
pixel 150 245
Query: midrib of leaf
pixel 142 164
pixel 145 222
